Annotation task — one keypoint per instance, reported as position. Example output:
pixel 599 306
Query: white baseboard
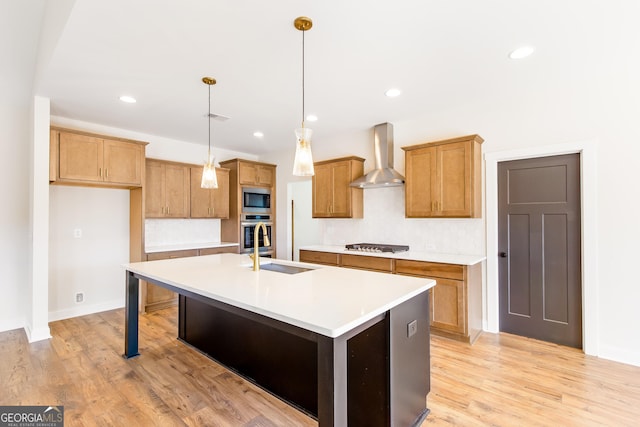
pixel 621 355
pixel 83 310
pixel 37 334
pixel 11 324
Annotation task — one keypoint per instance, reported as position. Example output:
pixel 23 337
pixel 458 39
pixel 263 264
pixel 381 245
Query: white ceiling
pixel 439 53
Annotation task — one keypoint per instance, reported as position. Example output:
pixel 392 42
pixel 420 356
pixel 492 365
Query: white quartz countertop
pixel 408 255
pixel 326 300
pixel 186 246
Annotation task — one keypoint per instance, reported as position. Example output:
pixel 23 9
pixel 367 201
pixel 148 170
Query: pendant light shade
pixel 209 178
pixel 303 161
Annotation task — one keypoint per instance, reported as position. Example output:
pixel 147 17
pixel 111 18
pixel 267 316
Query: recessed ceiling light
pixel 258 134
pixel 128 99
pixel 392 93
pixel 312 118
pixel 521 52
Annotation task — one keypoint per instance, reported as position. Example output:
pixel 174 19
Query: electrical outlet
pixel 77 233
pixel 412 328
pixel 79 297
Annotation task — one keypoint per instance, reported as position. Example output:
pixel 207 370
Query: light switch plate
pixel 412 328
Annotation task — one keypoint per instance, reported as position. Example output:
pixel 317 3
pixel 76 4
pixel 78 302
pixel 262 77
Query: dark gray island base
pixel 376 374
pixel 283 359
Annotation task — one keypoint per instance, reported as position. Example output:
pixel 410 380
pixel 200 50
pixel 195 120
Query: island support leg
pixel 332 382
pixel 132 286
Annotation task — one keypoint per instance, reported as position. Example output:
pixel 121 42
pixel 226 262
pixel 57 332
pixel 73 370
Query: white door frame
pixel 589 233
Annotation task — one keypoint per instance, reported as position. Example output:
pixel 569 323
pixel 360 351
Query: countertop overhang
pixel 407 255
pixel 327 300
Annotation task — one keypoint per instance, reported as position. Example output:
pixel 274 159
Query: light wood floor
pixel 501 380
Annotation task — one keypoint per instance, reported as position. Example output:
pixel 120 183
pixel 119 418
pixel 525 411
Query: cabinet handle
pixel 167 210
pixel 106 173
pixel 100 172
pixel 163 210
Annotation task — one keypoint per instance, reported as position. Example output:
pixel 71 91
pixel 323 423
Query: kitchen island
pixel 348 347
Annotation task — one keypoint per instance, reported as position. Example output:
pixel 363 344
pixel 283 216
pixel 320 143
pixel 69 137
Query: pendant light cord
pixel 303 78
pixel 209 117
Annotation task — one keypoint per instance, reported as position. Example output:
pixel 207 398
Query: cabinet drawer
pixel 367 263
pixel 172 254
pixel 430 269
pixel 221 250
pixel 319 257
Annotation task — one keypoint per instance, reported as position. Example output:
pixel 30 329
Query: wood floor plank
pixel 501 380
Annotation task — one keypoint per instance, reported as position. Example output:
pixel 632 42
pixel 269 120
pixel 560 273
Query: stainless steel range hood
pixel 383 175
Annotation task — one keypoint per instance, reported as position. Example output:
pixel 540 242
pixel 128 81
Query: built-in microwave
pixel 256 200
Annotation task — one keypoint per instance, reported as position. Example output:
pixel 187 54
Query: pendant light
pixel 209 178
pixel 303 162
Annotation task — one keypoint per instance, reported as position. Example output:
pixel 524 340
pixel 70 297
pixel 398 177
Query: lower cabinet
pixel 155 297
pixel 455 303
pixel 455 306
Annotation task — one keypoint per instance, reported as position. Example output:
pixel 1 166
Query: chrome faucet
pixel 255 256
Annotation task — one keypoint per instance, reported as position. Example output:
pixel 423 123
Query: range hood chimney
pixel 383 175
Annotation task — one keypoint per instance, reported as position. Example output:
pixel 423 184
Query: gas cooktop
pixel 376 247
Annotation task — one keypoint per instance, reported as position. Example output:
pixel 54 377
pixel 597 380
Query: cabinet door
pixel 154 190
pixel 247 174
pixel 200 197
pixel 341 201
pixel 220 195
pixel 209 203
pixel 322 183
pixel 454 179
pixel 265 175
pixel 81 157
pixel 448 306
pixel 176 183
pixel 420 170
pixel 123 162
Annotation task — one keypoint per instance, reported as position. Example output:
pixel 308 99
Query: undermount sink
pixel 287 269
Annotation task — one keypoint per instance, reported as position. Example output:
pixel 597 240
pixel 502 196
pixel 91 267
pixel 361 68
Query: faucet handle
pixel 252 255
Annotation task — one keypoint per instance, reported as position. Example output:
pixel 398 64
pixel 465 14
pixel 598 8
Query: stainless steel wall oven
pixel 247 231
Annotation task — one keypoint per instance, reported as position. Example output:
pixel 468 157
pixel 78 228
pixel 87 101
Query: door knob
pixel 503 254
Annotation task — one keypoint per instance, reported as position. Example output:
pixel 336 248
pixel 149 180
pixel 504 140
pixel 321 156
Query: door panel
pixel 519 283
pixel 554 279
pixel 539 240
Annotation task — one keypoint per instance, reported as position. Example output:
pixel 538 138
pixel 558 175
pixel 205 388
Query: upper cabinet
pixel 443 179
pixel 166 189
pixel 258 174
pixel 80 158
pixel 209 203
pixel 332 195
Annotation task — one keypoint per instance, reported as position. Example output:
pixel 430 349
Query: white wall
pixel 20 23
pixel 91 263
pixel 14 219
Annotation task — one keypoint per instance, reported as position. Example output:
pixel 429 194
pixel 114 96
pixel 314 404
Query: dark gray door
pixel 539 248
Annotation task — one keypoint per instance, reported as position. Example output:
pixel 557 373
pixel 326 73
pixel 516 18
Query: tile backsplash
pixel 159 232
pixel 384 222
